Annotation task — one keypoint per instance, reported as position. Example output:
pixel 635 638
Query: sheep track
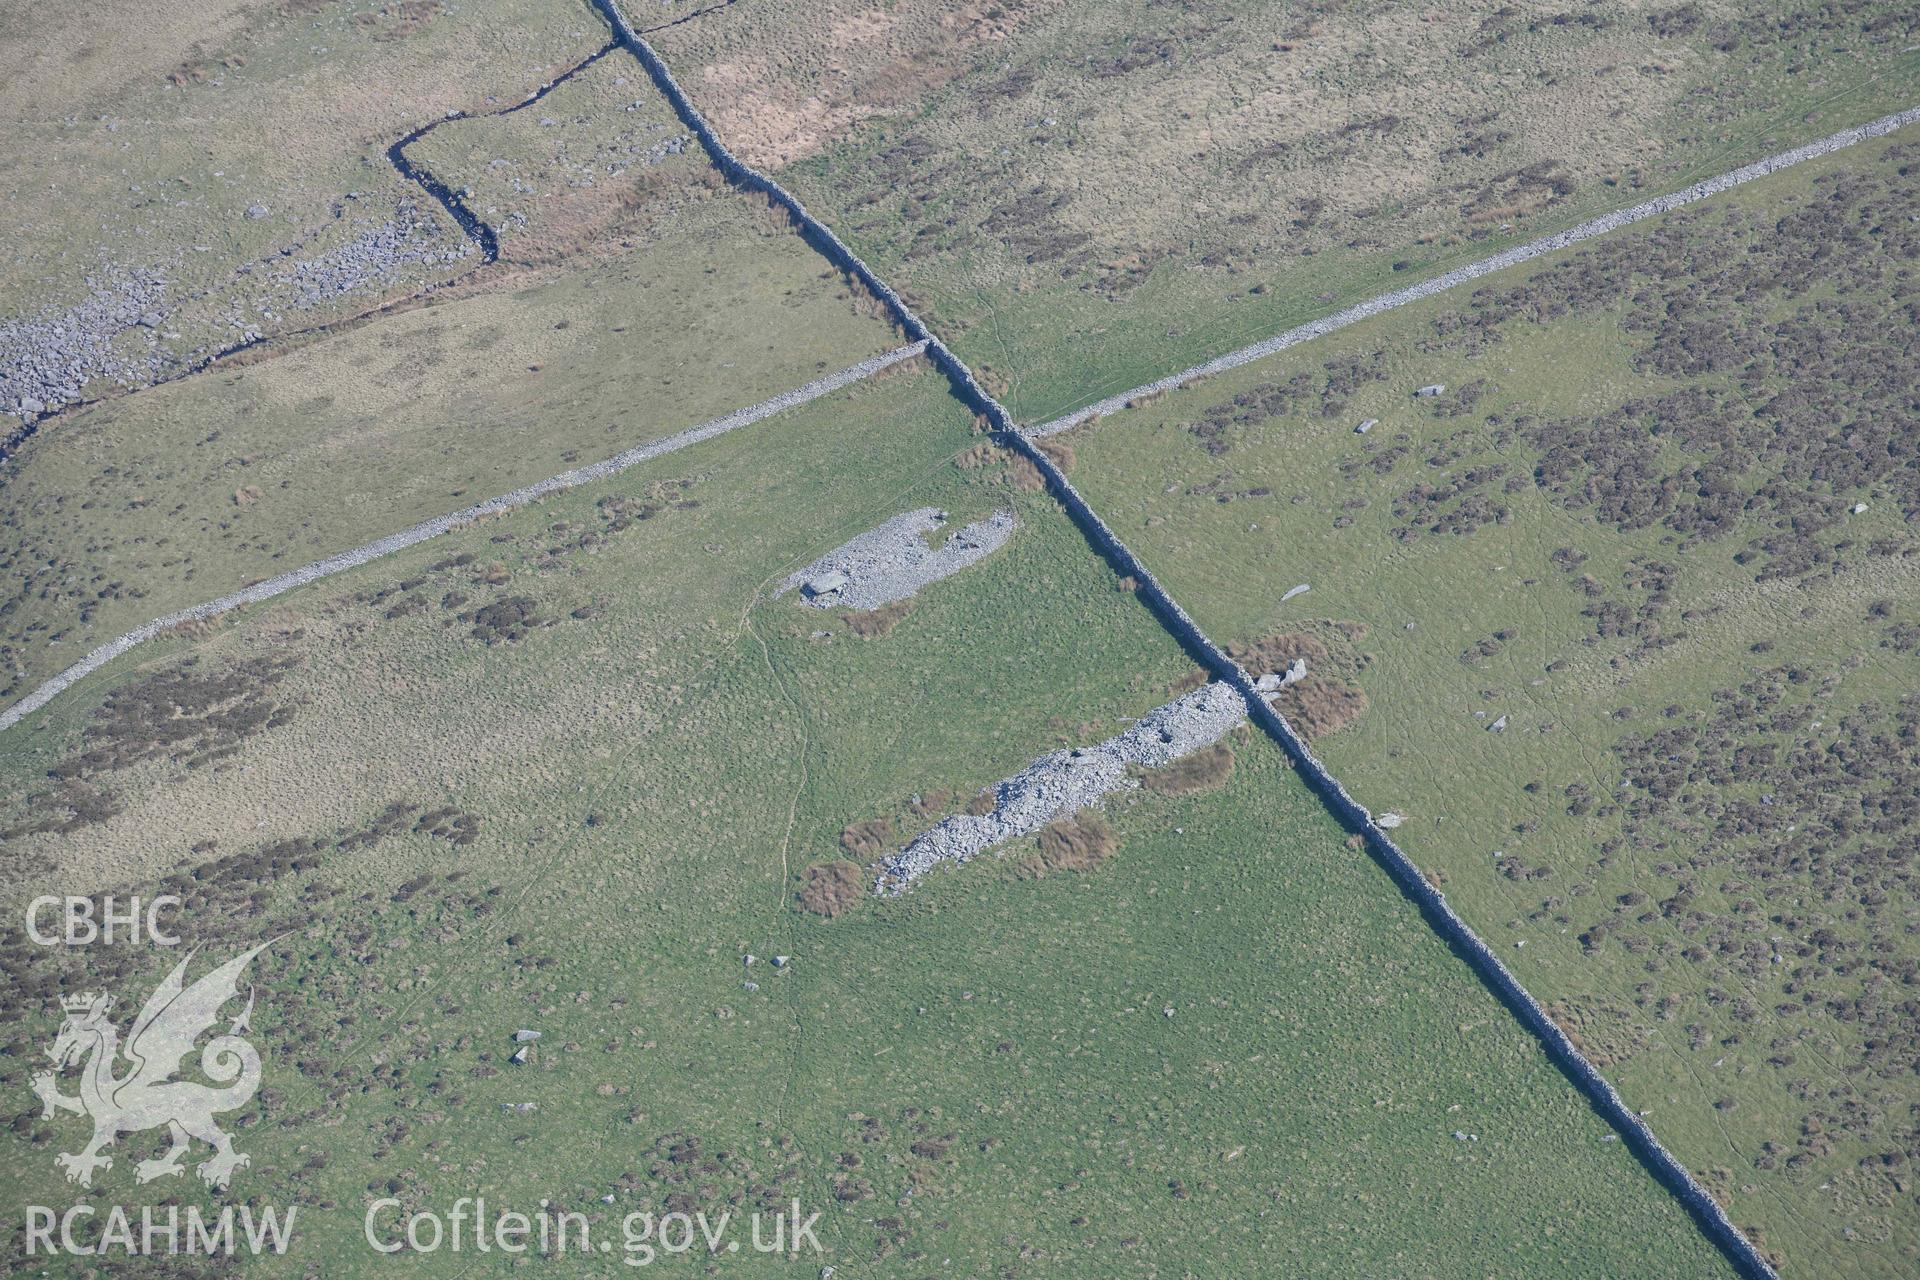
pixel 1700 1205
pixel 413 535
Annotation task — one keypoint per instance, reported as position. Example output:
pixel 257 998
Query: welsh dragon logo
pixel 146 1096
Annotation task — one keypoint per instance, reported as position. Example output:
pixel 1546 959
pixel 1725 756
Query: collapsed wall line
pixel 1673 1176
pixel 415 534
pixel 1512 257
pixel 472 224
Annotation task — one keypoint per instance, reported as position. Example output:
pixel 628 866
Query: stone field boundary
pixel 1667 1169
pixel 413 535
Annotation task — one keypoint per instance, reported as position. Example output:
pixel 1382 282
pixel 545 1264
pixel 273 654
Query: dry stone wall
pixel 416 534
pixel 1498 262
pixel 1707 1212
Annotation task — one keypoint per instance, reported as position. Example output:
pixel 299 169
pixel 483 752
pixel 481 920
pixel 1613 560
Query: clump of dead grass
pixel 877 622
pixel 867 839
pixel 1080 843
pixel 832 888
pixel 1202 771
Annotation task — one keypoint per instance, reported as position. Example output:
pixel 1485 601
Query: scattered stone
pixel 524 1036
pixel 781 962
pixel 1300 590
pixel 1366 426
pixel 255 212
pixel 519 1057
pixel 48 359
pixel 1063 782
pixel 1859 508
pixel 1388 821
pixel 370 259
pixel 1435 389
pixel 1498 726
pixel 893 561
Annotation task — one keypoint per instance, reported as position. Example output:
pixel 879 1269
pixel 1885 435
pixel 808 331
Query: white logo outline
pixel 146 1096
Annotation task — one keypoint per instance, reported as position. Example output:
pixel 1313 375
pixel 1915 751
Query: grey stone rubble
pixel 1673 1175
pixel 893 560
pixel 1497 262
pixel 46 359
pixel 376 251
pixel 1063 782
pixel 433 528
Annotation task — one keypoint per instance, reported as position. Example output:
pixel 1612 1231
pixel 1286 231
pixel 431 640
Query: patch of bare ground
pixel 1080 844
pixel 832 888
pixel 1202 771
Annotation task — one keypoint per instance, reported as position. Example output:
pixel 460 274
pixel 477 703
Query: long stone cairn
pixel 421 532
pixel 1673 1175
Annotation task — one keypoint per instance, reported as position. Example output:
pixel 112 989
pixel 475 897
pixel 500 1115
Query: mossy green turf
pixel 652 779
pixel 1422 750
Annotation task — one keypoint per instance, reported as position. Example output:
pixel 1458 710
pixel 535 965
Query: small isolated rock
pixel 748 960
pixel 1433 389
pixel 1366 426
pixel 1300 590
pixel 524 1036
pixel 1498 726
pixel 1859 507
pixel 256 212
pixel 781 962
pixel 1167 1012
pixel 1388 821
pixel 519 1058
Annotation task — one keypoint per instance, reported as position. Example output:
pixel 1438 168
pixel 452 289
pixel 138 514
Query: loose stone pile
pixel 377 251
pixel 1063 782
pixel 893 561
pixel 46 359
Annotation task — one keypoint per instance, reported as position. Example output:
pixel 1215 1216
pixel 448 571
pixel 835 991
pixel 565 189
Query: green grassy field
pixel 615 799
pixel 138 506
pixel 1659 530
pixel 1085 197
